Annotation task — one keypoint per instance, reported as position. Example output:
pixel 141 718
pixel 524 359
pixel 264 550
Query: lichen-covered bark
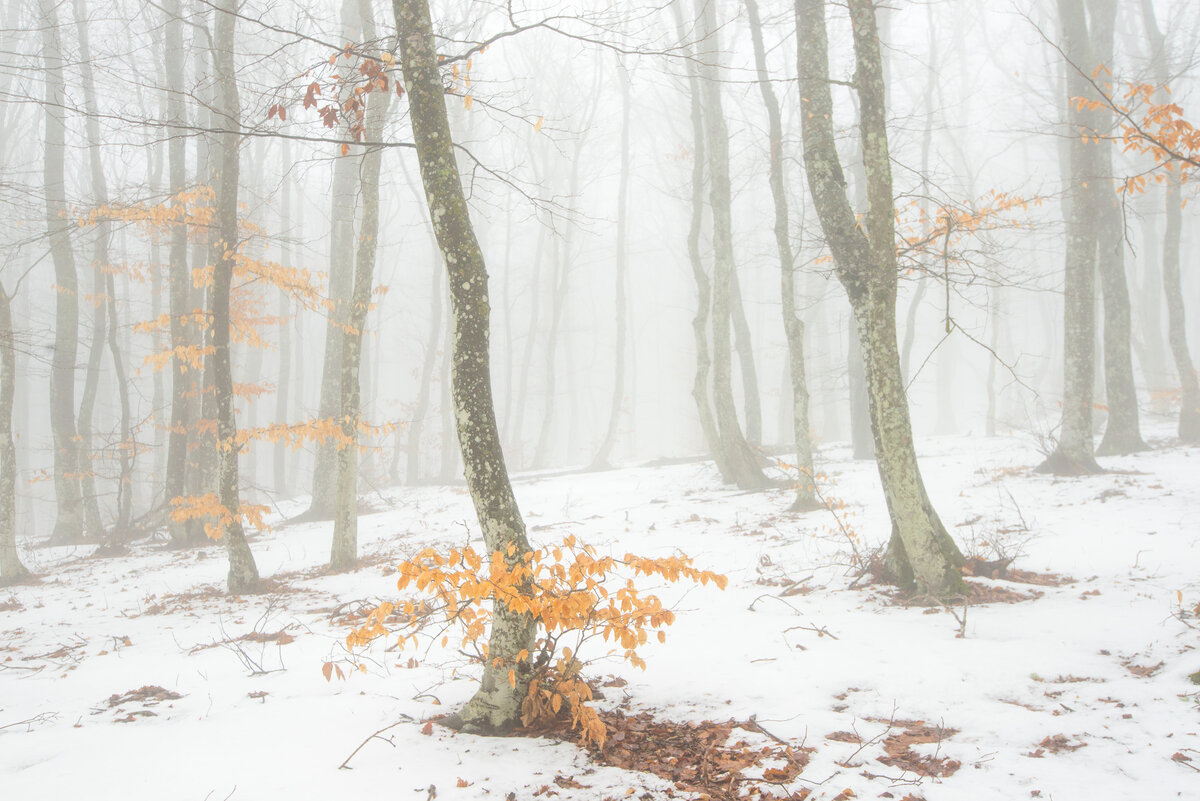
pixel 243 574
pixel 1075 452
pixel 921 554
pixel 496 706
pixel 11 568
pixel 793 326
pixel 68 524
pixel 741 460
pixel 344 550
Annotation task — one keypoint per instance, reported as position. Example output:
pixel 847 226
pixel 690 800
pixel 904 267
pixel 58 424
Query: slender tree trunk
pixel 412 471
pixel 496 706
pixel 530 340
pixel 344 551
pixel 1075 453
pixel 921 554
pixel 742 460
pixel 284 383
pixel 1123 432
pixel 243 574
pixel 11 569
pixel 601 460
pixel 68 525
pixel 341 279
pixel 700 384
pixel 449 454
pixel 793 326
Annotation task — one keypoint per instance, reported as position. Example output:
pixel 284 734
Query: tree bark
pixel 601 460
pixel 11 568
pixel 284 382
pixel 344 550
pixel 1075 452
pixel 1123 432
pixel 741 459
pixel 68 525
pixel 921 554
pixel 701 382
pixel 243 574
pixel 496 706
pixel 793 326
pixel 341 279
pixel 1189 408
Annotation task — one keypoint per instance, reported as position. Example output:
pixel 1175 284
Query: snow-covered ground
pixel 256 720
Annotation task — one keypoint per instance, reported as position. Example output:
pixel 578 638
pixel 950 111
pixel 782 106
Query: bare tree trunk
pixel 341 279
pixel 243 574
pixel 68 525
pixel 742 460
pixel 284 383
pixel 1189 408
pixel 496 706
pixel 1123 432
pixel 921 554
pixel 1075 451
pixel 700 384
pixel 530 339
pixel 793 326
pixel 11 569
pixel 344 550
pixel 614 412
pixel 412 472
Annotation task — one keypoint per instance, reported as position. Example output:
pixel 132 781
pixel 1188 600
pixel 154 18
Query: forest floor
pixel 134 677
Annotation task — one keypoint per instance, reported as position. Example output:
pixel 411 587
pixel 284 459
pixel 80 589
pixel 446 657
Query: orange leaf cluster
pixel 216 516
pixel 570 591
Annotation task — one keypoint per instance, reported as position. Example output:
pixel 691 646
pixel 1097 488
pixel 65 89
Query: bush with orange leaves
pixel 574 595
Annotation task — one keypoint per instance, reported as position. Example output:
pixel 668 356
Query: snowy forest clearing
pixel 1081 692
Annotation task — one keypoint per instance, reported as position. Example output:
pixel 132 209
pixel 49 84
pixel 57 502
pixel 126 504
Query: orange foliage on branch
pixel 217 518
pixel 574 594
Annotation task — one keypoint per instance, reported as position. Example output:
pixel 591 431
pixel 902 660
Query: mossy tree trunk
pixel 921 554
pixel 496 706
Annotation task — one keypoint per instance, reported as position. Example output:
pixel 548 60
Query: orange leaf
pixel 327 671
pixel 427 728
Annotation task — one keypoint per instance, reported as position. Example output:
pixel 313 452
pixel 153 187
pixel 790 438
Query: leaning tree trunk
pixel 1075 452
pixel 700 383
pixel 243 574
pixel 344 550
pixel 496 706
pixel 11 569
pixel 68 525
pixel 921 554
pixel 742 460
pixel 1123 432
pixel 793 326
pixel 614 411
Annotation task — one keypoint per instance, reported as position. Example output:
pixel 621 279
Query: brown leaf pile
pixel 149 695
pixel 696 757
pixel 901 755
pixel 1054 744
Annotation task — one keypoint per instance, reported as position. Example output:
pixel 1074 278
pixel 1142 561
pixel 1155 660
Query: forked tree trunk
pixel 921 554
pixel 1075 452
pixel 344 550
pixel 68 525
pixel 793 326
pixel 496 706
pixel 11 568
pixel 741 459
pixel 700 384
pixel 243 574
